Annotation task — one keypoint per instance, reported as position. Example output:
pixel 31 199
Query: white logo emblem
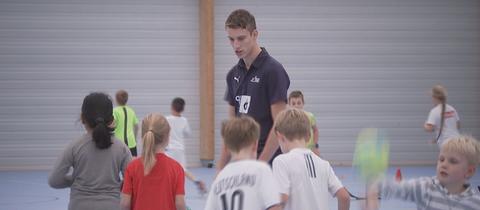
pixel 244 104
pixel 255 79
pixel 237 79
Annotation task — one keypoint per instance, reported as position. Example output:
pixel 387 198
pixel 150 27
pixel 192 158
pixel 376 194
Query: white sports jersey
pixel 306 179
pixel 449 125
pixel 244 185
pixel 179 130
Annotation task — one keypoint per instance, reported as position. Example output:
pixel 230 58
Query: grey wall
pixel 54 52
pixel 367 63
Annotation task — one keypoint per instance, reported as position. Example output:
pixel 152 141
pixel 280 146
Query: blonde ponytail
pixel 148 153
pixel 155 131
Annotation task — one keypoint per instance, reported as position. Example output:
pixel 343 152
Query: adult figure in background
pixel 256 86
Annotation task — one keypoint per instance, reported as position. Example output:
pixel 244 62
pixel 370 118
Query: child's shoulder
pixel 247 166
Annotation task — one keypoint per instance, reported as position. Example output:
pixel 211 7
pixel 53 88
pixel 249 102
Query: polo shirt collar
pixel 258 60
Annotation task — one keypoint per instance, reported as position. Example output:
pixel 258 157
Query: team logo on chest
pixel 236 79
pixel 255 79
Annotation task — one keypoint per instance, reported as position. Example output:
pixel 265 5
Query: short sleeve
pixel 135 119
pixel 211 204
pixel 281 175
pixel 228 92
pixel 269 188
pixel 334 183
pixel 432 117
pixel 278 83
pixel 180 178
pixel 126 158
pixel 128 179
pixel 457 116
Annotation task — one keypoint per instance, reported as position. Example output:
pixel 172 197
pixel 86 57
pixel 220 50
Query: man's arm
pixel 225 156
pixel 272 144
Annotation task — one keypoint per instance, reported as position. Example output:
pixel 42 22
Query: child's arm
pixel 282 178
pixel 343 199
pixel 59 177
pixel 126 201
pixel 180 202
pixel 283 200
pixel 410 190
pixel 200 184
pixel 135 130
pixel 428 127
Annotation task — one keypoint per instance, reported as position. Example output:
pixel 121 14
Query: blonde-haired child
pixel 154 181
pixel 448 190
pixel 305 179
pixel 244 183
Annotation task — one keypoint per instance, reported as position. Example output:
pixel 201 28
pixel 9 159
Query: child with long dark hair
pixel 97 160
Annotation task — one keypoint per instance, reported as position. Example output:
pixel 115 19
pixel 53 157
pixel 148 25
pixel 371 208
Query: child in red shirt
pixel 154 181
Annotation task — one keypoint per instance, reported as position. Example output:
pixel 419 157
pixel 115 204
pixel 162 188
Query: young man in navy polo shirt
pixel 256 86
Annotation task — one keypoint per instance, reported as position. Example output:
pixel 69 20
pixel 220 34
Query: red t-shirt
pixel 158 189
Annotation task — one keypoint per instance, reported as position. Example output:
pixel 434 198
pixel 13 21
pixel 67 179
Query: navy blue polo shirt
pixel 252 92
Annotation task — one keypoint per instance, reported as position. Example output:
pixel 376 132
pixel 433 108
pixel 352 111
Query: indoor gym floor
pixel 28 190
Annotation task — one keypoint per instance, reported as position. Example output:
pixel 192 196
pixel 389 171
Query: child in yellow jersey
pixel 126 122
pixel 296 100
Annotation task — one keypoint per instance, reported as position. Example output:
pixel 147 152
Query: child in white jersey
pixel 244 183
pixel 305 179
pixel 443 119
pixel 180 129
pixel 448 190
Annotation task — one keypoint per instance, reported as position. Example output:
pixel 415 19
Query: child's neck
pixel 455 188
pixel 243 154
pixel 159 149
pixel 176 114
pixel 296 143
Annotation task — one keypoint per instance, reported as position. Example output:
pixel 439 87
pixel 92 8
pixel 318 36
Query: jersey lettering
pixel 237 198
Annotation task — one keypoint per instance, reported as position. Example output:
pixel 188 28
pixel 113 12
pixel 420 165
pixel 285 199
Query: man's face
pixel 453 168
pixel 296 102
pixel 242 41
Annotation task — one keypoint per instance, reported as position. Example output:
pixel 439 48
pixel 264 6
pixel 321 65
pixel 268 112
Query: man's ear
pixel 255 33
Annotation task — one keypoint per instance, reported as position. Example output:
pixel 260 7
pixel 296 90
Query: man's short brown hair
pixel 240 132
pixel 293 123
pixel 241 18
pixel 122 97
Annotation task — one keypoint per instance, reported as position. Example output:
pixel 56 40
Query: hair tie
pixel 99 120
